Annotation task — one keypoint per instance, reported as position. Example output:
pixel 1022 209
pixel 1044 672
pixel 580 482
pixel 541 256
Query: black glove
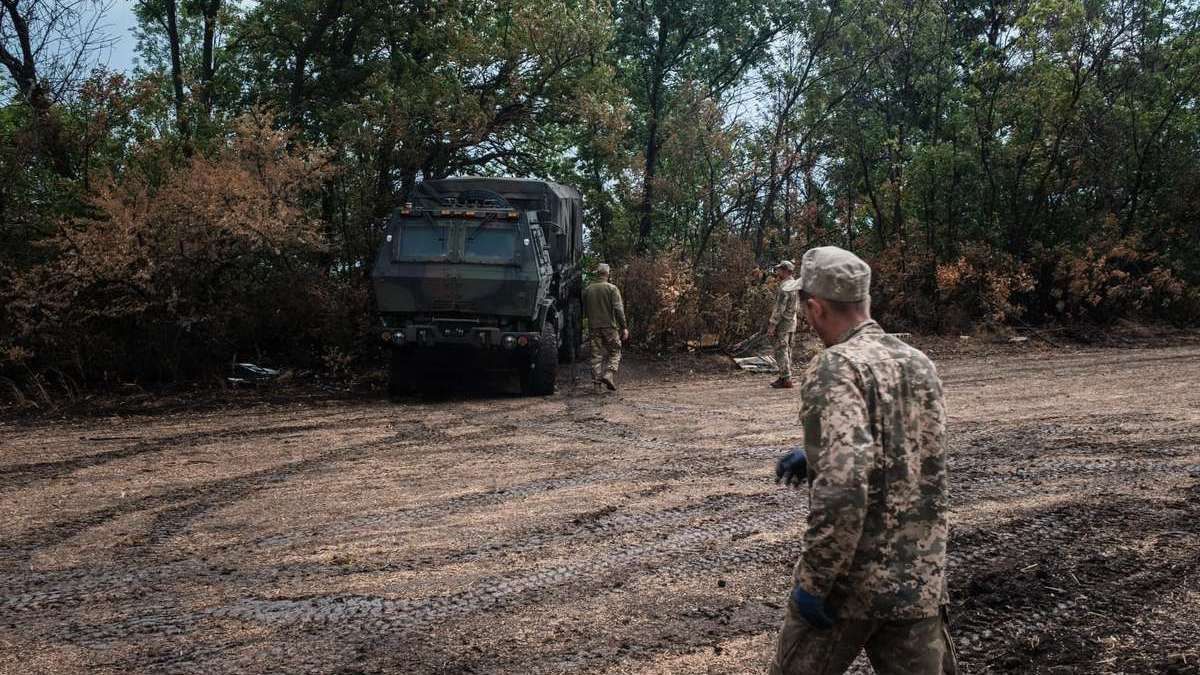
pixel 792 468
pixel 812 608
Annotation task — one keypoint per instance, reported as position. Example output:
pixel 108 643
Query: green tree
pixel 666 47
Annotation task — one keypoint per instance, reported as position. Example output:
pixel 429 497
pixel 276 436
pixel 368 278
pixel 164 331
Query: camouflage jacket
pixel 874 430
pixel 787 303
pixel 603 307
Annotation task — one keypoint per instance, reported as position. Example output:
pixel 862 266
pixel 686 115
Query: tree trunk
pixel 181 120
pixel 50 136
pixel 646 224
pixel 385 193
pixel 208 67
pixel 655 95
pixel 22 67
pixel 325 18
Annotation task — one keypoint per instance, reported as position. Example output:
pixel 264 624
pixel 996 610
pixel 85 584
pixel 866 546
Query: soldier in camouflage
pixel 782 326
pixel 872 574
pixel 605 313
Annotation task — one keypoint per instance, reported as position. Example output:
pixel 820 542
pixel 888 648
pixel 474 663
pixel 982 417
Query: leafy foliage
pixel 169 274
pixel 1032 161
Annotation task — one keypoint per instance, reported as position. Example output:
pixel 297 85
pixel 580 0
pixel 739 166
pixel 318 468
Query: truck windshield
pixel 490 241
pixel 423 239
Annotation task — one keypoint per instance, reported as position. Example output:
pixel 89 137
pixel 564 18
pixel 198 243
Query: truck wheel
pixel 539 376
pixel 572 334
pixel 400 375
pixel 566 342
pixel 577 335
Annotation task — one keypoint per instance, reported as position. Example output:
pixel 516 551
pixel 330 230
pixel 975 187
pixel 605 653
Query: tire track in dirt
pixel 1008 471
pixel 359 617
pixel 78 585
pixel 1023 481
pixel 1049 529
pixel 21 476
pixel 504 591
pixel 91 584
pixel 100 585
pixel 587 529
pixel 475 500
pixel 348 615
pixel 981 553
pixel 1011 607
pixel 1069 368
pixel 196 499
pixel 973 548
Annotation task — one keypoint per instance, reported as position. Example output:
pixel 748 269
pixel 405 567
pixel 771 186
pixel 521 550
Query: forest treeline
pixel 996 161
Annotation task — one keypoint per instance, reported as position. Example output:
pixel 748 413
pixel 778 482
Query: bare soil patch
pixel 631 533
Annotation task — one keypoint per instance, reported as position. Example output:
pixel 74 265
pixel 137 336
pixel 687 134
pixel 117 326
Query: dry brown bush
pixel 181 267
pixel 1119 279
pixel 670 299
pixel 981 287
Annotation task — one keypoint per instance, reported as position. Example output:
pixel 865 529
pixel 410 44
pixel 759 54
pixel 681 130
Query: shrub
pixel 671 299
pixel 982 287
pixel 660 299
pixel 1112 280
pixel 176 272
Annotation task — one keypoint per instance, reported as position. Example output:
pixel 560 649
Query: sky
pixel 119 23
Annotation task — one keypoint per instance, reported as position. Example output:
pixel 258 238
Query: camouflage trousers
pixel 783 353
pixel 606 352
pixel 915 647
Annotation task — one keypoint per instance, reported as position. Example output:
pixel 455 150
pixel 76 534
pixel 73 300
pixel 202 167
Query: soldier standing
pixel 872 574
pixel 607 327
pixel 782 326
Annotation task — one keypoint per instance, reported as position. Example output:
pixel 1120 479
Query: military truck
pixel 478 274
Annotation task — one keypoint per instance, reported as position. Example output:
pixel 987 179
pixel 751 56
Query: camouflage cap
pixel 787 265
pixel 836 274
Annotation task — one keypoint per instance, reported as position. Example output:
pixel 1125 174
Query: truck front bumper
pixel 479 337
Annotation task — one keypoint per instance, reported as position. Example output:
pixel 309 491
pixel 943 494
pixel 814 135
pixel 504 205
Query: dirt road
pixel 630 533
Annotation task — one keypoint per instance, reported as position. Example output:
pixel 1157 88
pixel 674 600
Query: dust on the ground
pixel 639 532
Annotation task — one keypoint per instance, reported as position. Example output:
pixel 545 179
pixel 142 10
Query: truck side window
pixel 539 241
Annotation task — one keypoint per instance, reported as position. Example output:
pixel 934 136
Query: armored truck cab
pixel 482 272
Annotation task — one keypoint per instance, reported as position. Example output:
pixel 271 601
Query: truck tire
pixel 573 333
pixel 539 376
pixel 577 334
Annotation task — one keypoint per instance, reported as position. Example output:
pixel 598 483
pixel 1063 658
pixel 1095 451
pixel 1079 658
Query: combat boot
pixel 608 382
pixel 782 383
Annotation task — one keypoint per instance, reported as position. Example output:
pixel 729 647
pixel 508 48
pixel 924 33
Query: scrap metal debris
pixel 249 373
pixel 757 364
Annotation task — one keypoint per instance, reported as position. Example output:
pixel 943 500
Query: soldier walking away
pixel 606 324
pixel 872 574
pixel 782 326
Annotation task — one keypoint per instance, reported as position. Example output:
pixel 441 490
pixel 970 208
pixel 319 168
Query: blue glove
pixel 813 609
pixel 792 468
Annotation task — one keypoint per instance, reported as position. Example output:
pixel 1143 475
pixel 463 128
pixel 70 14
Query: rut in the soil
pixel 22 476
pixel 1052 548
pixel 984 551
pixel 182 504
